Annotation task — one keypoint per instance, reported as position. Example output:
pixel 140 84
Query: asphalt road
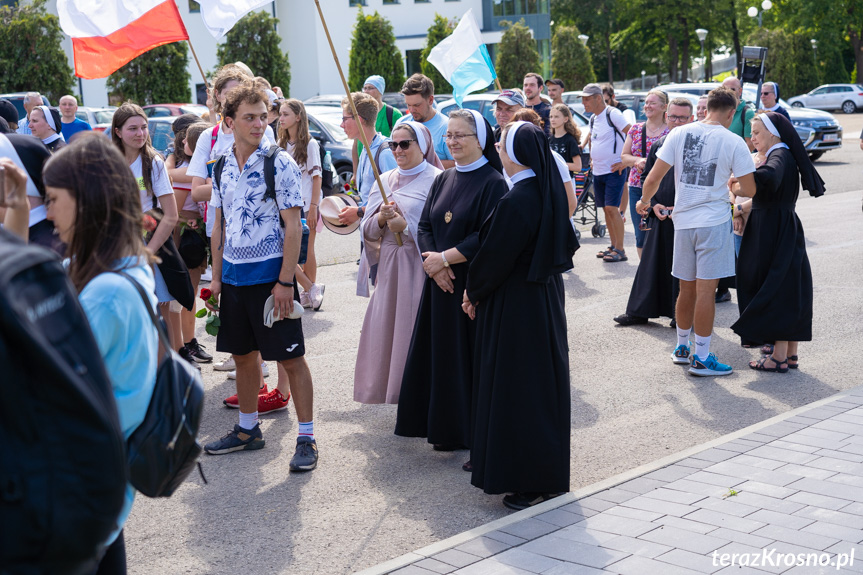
pixel 375 496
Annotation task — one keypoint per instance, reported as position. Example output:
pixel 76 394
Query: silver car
pixel 845 97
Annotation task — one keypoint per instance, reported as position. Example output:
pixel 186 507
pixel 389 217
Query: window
pixel 422 1
pixel 412 62
pixel 194 7
pixel 819 91
pixel 355 3
pixel 386 2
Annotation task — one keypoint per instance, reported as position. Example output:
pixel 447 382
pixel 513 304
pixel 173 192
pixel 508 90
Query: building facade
pixel 313 70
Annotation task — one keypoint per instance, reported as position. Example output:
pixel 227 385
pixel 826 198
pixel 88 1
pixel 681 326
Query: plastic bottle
pixel 328 161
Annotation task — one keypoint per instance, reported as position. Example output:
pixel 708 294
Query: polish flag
pixel 107 34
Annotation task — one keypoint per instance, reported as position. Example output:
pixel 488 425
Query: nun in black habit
pixel 774 279
pixel 436 392
pixel 521 440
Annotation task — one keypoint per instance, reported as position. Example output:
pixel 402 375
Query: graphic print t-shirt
pixel 704 157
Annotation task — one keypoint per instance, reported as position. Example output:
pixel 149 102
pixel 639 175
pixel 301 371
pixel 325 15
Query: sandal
pixel 604 253
pixel 794 359
pixel 767 349
pixel 777 368
pixel 615 255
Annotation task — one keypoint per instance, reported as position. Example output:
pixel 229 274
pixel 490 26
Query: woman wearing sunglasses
pixel 391 312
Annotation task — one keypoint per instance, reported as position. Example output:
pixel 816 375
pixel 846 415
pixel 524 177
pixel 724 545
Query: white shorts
pixel 704 253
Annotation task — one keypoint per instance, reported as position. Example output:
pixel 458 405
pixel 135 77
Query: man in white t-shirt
pixel 608 129
pixel 704 155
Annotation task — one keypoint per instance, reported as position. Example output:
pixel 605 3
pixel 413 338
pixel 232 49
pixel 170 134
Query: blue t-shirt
pixel 73 128
pixel 437 127
pixel 366 177
pixel 129 346
pixel 24 127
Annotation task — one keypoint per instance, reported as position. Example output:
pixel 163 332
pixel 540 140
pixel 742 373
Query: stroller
pixel 586 210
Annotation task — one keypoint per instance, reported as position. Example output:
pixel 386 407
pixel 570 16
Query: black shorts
pixel 242 328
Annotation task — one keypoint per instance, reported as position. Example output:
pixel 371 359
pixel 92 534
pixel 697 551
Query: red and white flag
pixel 107 34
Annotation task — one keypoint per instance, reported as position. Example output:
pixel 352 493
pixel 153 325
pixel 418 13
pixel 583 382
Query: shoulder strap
pixel 390 111
pixel 378 157
pixel 644 140
pixel 217 172
pixel 214 137
pixel 163 337
pixel 270 172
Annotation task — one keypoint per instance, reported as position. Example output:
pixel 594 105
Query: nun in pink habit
pixel 392 310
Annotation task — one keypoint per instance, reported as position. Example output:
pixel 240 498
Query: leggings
pixel 114 561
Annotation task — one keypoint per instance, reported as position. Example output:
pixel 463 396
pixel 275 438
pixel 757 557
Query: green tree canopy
pixel 517 55
pixel 790 60
pixel 255 42
pixel 440 29
pixel 160 75
pixel 30 54
pixel 374 51
pixel 570 59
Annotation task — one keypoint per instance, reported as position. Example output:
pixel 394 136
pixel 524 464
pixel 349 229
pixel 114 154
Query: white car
pixel 845 97
pixel 484 104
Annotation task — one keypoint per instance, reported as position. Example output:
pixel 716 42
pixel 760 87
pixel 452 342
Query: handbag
pixel 174 270
pixel 192 248
pixel 164 449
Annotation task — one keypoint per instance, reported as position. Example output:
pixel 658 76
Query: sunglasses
pixel 403 144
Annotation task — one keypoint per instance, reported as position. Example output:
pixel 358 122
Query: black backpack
pixel 164 449
pixel 63 469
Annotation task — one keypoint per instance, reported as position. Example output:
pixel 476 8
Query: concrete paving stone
pixel 574 569
pixel 855 439
pixel 674 496
pixel 635 546
pixel 837 465
pixel 456 558
pixel 736 570
pixel 802 437
pixel 795 551
pixel 582 535
pixel 529 528
pixel 766 489
pixel 617 525
pixel 843 404
pixel 831 530
pixel 492 567
pixel 526 560
pixel 844 455
pixel 639 514
pixel 689 560
pixel 696 463
pixel 780 429
pixel 850 417
pixel 839 427
pixel 505 537
pixel 781 519
pixel 674 537
pixel 642 485
pixel 595 503
pixel 616 495
pixel 744 538
pixel 765 502
pixel 716 479
pixel 739 446
pixel 802 419
pixel 856 508
pixel 728 505
pixel 759 462
pixel 689 485
pixel 718 519
pixel 819 500
pixel 414 570
pixel 758 437
pixel 483 547
pixel 715 455
pixel 754 473
pixel 578 509
pixel 806 471
pixel 791 446
pixel 808 540
pixel 686 524
pixel 824 412
pixel 782 455
pixel 846 547
pixel 560 517
pixel 636 565
pixel 435 566
pixel 670 473
pixel 835 517
pixel 855 448
pixel 744 558
pixel 845 479
pixel 573 551
pixel 665 507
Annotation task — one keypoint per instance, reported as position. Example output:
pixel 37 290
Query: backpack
pixel 612 126
pixel 63 470
pixel 390 113
pixel 164 448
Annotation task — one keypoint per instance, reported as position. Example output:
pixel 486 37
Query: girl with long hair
pixel 294 137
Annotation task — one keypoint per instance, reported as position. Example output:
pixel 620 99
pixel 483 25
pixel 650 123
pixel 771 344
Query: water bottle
pixel 328 162
pixel 304 243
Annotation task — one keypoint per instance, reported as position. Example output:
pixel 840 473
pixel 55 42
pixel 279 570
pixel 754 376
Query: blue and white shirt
pixel 254 239
pixel 366 177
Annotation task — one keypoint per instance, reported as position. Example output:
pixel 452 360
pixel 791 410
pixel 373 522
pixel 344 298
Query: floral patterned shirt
pixel 637 133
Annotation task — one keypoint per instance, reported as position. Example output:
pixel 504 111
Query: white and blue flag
pixel 463 59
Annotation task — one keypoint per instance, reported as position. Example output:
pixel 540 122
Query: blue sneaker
pixel 237 440
pixel 306 456
pixel 681 355
pixel 709 366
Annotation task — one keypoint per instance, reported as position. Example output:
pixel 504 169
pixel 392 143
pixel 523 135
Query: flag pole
pixel 355 115
pixel 497 83
pixel 198 62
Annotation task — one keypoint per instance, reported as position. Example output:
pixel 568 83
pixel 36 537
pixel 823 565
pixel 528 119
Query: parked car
pixel 17 99
pixel 334 100
pixel 845 97
pixel 819 130
pixel 161 132
pixel 98 118
pixel 325 126
pixel 484 104
pixel 163 110
pixel 397 101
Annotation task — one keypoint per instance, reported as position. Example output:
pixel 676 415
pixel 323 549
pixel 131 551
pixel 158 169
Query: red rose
pixel 206 294
pixel 150 223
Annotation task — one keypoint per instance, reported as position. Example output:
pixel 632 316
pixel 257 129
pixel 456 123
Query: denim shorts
pixel 608 189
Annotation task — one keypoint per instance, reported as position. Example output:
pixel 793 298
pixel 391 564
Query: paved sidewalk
pixel 790 485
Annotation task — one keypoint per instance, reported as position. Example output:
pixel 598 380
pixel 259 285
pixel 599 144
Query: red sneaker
pixel 234 403
pixel 273 401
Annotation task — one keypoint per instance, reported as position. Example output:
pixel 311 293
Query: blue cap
pixel 511 97
pixel 377 81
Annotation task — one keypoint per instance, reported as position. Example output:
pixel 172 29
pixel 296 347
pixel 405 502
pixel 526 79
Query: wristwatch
pixel 360 212
pixel 286 284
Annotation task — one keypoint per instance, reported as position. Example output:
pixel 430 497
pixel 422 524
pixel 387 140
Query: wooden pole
pixel 354 113
pixel 497 83
pixel 198 62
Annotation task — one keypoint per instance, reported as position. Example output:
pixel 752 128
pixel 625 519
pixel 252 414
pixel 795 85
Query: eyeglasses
pixel 346 118
pixel 457 137
pixel 678 118
pixel 766 93
pixel 403 144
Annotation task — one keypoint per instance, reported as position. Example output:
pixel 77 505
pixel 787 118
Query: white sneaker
pixel 207 276
pixel 317 296
pixel 264 370
pixel 227 365
pixel 305 301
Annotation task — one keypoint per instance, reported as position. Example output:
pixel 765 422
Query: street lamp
pixel 702 34
pixel 583 39
pixel 756 13
pixel 642 79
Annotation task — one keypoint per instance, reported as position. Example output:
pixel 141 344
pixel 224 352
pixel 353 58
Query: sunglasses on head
pixel 403 144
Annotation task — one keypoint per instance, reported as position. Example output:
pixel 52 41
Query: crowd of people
pixel 465 234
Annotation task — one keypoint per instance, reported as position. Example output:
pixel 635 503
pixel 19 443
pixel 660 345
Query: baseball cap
pixel 511 97
pixel 592 90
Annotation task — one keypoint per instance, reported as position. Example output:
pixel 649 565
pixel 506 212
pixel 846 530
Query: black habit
pixel 774 279
pixel 654 290
pixel 436 392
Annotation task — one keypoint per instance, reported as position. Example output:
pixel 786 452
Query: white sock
pixel 307 429
pixel 248 420
pixel 702 346
pixel 683 336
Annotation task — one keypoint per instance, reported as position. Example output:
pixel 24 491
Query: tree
pixel 440 29
pixel 517 54
pixel 570 59
pixel 255 42
pixel 158 76
pixel 374 51
pixel 30 54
